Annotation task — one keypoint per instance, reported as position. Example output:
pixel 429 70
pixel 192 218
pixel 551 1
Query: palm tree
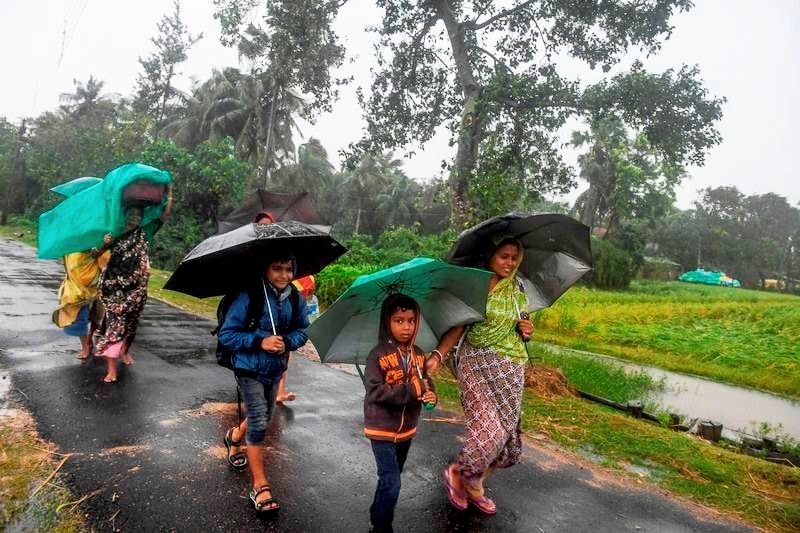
pixel 371 176
pixel 253 110
pixel 88 101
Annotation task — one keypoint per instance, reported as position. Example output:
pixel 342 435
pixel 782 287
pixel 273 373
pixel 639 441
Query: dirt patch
pixel 217 452
pixel 130 450
pixel 548 382
pixel 213 409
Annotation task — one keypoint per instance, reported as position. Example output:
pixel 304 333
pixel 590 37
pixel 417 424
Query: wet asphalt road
pixel 148 448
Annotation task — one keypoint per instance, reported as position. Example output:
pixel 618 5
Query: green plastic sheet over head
pixel 71 188
pixel 79 222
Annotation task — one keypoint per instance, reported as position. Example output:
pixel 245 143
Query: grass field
pixel 740 336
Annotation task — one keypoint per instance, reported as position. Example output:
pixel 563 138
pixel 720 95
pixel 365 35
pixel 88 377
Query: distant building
pixel 659 268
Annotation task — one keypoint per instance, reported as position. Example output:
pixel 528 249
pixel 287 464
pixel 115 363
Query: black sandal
pixel 264 506
pixel 237 460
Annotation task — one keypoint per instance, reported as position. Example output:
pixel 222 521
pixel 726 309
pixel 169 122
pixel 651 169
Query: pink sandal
pixel 484 504
pixel 453 493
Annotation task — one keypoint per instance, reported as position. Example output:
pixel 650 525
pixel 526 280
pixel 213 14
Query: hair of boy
pixel 392 303
pixel 282 257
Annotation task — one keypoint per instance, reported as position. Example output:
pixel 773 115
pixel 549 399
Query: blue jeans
pixel 259 402
pixel 390 458
pixel 79 328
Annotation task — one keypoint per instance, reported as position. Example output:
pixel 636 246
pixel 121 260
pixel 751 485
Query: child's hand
pixel 273 344
pixel 429 397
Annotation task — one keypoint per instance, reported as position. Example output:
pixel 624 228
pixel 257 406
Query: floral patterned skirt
pixel 122 292
pixel 490 387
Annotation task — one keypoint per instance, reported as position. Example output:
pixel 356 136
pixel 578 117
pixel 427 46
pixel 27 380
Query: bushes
pixel 335 279
pixel 396 245
pixel 613 267
pixel 366 255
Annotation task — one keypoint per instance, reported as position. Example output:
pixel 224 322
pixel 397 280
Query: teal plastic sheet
pixel 71 188
pixel 80 222
pixel 709 277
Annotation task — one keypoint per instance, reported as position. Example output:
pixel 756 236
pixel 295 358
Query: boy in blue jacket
pixel 259 361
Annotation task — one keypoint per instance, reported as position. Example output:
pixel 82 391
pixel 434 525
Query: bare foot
pixel 288 397
pixel 110 379
pixel 82 355
pixel 127 359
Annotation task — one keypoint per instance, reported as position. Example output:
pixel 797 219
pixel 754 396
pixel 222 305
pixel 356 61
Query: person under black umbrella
pixel 265 217
pixel 491 375
pixel 260 359
pixel 533 260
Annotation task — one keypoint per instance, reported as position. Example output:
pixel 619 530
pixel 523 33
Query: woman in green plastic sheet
pixel 123 288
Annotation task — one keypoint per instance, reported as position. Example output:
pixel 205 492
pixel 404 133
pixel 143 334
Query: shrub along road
pixel 148 450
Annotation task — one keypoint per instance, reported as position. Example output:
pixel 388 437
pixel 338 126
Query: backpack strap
pixel 294 298
pixel 255 308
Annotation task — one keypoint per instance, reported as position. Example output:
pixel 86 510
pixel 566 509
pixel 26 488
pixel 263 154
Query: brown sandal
pixel 264 506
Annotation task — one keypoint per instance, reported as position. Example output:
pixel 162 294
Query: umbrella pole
pixel 361 373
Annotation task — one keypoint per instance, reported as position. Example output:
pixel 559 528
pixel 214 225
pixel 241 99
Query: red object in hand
pixel 144 192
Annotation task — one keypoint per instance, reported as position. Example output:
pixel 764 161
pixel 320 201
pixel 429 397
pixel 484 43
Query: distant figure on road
pixel 78 292
pixel 260 359
pixel 491 376
pixel 123 289
pixel 396 388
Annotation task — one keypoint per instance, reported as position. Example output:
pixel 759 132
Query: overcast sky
pixel 747 51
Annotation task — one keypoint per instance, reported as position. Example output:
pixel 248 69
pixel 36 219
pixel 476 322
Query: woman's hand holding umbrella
pixel 525 328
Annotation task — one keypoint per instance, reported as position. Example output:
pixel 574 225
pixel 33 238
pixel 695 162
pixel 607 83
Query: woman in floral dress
pixel 123 289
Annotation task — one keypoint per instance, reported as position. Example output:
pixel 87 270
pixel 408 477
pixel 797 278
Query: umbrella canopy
pixel 75 186
pixel 226 263
pixel 282 206
pixel 557 251
pixel 447 295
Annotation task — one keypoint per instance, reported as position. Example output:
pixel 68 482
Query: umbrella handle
pixel 427 405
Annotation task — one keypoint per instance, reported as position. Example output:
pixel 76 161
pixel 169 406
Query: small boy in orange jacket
pixel 397 386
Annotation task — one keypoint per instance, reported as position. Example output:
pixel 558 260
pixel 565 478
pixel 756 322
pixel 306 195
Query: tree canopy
pixel 492 71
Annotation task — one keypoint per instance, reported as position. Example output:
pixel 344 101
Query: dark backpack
pixel 255 309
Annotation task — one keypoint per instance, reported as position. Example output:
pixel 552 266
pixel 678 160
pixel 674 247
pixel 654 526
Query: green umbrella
pixel 448 296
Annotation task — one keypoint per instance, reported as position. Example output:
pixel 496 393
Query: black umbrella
pixel 230 261
pixel 557 251
pixel 282 206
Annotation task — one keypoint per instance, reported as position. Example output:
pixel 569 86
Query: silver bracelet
pixel 437 352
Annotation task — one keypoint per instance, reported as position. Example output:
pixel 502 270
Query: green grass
pixel 755 490
pixel 740 336
pixel 206 307
pixel 24 466
pixel 601 378
pixel 21 229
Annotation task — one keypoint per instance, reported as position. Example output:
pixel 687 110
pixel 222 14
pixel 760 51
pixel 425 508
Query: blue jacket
pixel 246 345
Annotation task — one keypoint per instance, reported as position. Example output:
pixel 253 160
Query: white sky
pixel 747 51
